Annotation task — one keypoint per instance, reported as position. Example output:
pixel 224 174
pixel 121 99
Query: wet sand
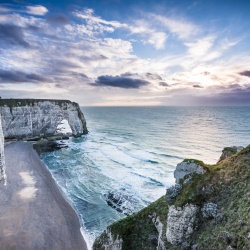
pixel 33 212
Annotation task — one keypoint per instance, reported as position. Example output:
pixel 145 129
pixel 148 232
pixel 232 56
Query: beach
pixel 34 214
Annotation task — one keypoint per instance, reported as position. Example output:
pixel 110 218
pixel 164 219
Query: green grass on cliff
pixel 12 102
pixel 137 230
pixel 227 184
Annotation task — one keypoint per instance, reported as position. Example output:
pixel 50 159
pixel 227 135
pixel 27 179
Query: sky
pixel 126 53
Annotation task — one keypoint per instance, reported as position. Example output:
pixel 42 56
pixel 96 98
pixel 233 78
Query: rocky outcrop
pixel 229 151
pixel 207 208
pixel 173 192
pixel 109 242
pixel 180 223
pixel 186 169
pixel 2 161
pixel 29 118
pixel 160 229
pixel 122 200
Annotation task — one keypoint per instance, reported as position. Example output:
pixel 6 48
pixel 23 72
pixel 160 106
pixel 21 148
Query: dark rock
pixel 153 239
pixel 185 245
pixel 241 223
pixel 121 200
pixel 219 218
pixel 208 189
pixel 194 247
pixel 228 238
pixel 209 210
pixel 172 193
pixel 229 151
pixel 48 146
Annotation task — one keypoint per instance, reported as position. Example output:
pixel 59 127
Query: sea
pixel 130 154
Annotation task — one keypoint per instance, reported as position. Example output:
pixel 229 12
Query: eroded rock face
pixel 186 169
pixel 209 210
pixel 229 151
pixel 2 161
pixel 122 200
pixel 159 226
pixel 24 118
pixel 110 242
pixel 172 193
pixel 180 223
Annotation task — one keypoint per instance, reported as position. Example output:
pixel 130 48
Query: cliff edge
pixel 207 208
pixel 2 160
pixel 29 118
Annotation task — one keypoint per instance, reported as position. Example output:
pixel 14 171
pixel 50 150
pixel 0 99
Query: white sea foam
pixel 88 238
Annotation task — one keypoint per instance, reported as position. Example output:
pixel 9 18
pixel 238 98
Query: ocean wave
pixel 151 180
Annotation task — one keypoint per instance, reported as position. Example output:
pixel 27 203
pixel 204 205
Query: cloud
pixel 119 82
pixel 245 73
pixel 157 39
pixel 197 86
pixel 153 76
pixel 12 34
pixel 94 25
pixel 182 28
pixel 151 35
pixel 58 19
pixel 72 53
pixel 122 46
pixel 37 10
pixel 129 74
pixel 13 76
pixel 4 9
pixel 88 14
pixel 163 84
pixel 200 47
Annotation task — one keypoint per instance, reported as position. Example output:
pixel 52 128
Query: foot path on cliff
pixel 34 214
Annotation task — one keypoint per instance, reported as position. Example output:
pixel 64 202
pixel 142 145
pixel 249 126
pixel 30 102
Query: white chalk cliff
pixel 27 118
pixel 180 223
pixel 2 161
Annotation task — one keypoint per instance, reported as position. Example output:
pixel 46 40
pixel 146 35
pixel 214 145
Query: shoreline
pixel 34 212
pixel 82 229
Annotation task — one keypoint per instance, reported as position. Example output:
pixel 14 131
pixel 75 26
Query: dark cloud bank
pixel 163 84
pixel 197 86
pixel 119 82
pixel 245 73
pixel 8 76
pixel 12 35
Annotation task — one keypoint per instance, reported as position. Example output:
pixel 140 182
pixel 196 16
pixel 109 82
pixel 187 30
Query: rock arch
pixel 26 118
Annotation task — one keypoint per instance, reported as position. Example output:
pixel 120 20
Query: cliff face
pixel 26 118
pixel 207 208
pixel 2 161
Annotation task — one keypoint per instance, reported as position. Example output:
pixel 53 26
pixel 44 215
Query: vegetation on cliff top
pixel 226 183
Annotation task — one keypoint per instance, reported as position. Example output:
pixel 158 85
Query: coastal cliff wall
pixel 207 208
pixel 27 118
pixel 2 161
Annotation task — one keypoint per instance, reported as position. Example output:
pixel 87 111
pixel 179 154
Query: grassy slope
pixel 230 180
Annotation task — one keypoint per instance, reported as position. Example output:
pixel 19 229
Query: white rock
pixel 2 160
pixel 31 118
pixel 111 242
pixel 186 168
pixel 159 226
pixel 180 223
